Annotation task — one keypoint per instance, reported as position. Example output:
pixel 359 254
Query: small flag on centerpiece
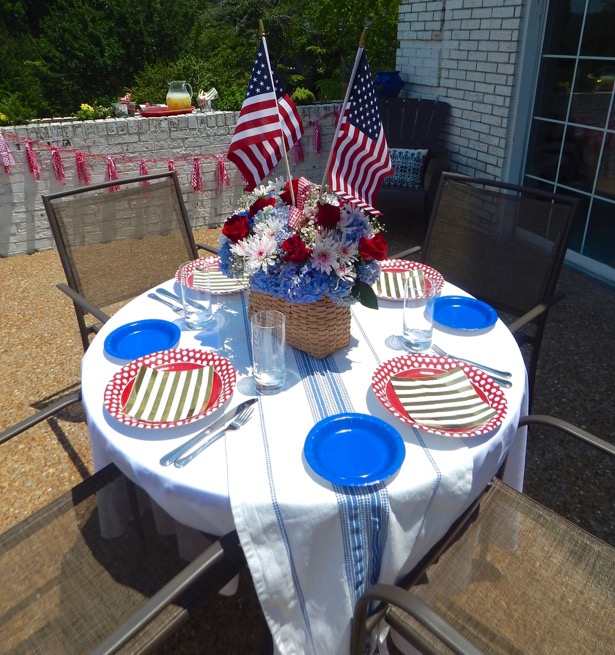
pixel 266 115
pixel 360 155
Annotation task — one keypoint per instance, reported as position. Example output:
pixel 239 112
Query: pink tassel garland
pixel 33 165
pixel 170 165
pixel 57 166
pixel 315 137
pixel 83 172
pixel 298 155
pixel 143 171
pixel 5 155
pixel 112 173
pixel 222 177
pixel 197 178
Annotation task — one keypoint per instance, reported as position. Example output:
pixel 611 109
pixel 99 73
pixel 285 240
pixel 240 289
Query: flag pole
pixel 344 103
pixel 263 34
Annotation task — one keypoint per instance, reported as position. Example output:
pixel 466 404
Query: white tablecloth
pixel 312 547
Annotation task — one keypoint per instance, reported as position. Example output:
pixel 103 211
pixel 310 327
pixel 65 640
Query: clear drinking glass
pixel 419 297
pixel 268 351
pixel 196 294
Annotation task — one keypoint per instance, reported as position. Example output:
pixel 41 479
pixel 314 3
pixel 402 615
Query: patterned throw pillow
pixel 409 167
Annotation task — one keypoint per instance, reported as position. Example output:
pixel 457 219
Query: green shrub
pixel 303 96
pixel 14 111
pixel 89 113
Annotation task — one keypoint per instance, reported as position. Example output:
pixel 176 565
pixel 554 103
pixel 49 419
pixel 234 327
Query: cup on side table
pixel 196 294
pixel 268 351
pixel 419 296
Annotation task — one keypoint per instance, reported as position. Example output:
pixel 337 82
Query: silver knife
pixel 168 294
pixel 169 458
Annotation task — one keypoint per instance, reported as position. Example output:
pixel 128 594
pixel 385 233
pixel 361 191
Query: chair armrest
pixel 86 305
pixel 405 253
pixel 568 428
pixel 219 563
pixel 39 416
pixel 416 608
pixel 535 312
pixel 204 246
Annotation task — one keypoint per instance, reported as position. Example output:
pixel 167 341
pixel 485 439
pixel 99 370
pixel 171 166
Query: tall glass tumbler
pixel 419 297
pixel 269 351
pixel 196 294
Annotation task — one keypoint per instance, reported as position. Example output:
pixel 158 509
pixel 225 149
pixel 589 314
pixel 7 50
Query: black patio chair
pixel 511 576
pixel 68 589
pixel 117 239
pixel 503 243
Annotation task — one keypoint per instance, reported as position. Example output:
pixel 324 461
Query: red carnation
pixel 374 248
pixel 327 215
pixel 285 193
pixel 236 228
pixel 261 203
pixel 295 249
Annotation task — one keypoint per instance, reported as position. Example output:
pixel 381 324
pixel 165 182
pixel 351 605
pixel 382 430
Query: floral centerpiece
pixel 319 247
pixel 311 259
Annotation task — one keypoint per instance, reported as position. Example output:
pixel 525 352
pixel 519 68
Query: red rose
pixel 236 228
pixel 327 215
pixel 285 193
pixel 374 248
pixel 261 203
pixel 295 249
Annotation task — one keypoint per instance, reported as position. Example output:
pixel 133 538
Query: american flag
pixel 360 157
pixel 256 146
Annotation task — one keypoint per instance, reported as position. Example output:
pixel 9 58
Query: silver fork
pixel 177 310
pixel 501 377
pixel 241 419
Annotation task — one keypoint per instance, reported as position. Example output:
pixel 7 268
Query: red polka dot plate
pixel 417 365
pixel 118 390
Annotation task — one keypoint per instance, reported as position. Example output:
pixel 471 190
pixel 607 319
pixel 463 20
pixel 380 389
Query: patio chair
pixel 413 128
pixel 116 244
pixel 504 244
pixel 67 589
pixel 511 576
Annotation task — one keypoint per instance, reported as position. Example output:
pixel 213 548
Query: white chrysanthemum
pixel 346 271
pixel 239 248
pixel 259 253
pixel 347 252
pixel 325 254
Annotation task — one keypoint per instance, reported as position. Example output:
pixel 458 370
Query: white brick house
pixel 493 61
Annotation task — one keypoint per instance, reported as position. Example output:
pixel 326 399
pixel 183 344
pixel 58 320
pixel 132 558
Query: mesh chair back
pixel 116 244
pixel 503 243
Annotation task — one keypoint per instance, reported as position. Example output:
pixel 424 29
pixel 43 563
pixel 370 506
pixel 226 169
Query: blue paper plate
pixel 462 313
pixel 142 338
pixel 354 450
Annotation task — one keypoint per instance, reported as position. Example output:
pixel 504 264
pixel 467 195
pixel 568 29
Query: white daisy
pixel 324 254
pixel 259 253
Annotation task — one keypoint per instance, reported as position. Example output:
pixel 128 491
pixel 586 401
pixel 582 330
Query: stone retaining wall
pixel 23 223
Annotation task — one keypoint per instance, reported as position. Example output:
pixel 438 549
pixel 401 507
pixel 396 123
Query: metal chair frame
pixel 401 596
pixel 147 626
pixel 73 289
pixel 486 190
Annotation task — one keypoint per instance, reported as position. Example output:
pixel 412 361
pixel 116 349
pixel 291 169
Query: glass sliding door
pixel 572 139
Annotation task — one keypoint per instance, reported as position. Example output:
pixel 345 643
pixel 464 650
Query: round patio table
pixel 312 545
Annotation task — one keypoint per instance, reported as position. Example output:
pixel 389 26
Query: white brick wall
pixel 23 223
pixel 465 52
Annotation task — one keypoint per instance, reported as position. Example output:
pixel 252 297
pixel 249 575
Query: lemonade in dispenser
pixel 179 95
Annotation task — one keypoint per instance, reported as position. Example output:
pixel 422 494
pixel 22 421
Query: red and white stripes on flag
pixel 360 157
pixel 267 113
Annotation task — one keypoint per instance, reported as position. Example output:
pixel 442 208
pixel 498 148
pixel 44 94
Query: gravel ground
pixel 40 353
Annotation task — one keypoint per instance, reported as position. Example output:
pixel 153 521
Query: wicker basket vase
pixel 318 329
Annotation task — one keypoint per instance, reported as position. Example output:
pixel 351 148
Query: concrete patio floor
pixel 40 353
